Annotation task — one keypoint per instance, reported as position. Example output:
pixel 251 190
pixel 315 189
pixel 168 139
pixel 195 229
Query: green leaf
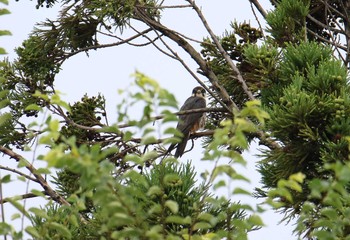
pixel 202 226
pixel 16 216
pixel 172 205
pixel 6 179
pixel 208 218
pixel 133 158
pixel 4 118
pixel 239 190
pixel 34 107
pixel 54 125
pixel 178 220
pixel 33 232
pixel 61 229
pixel 38 212
pixel 149 156
pixel 109 129
pixel 41 95
pixel 37 192
pixel 255 220
pixel 155 232
pixel 43 171
pixel 330 213
pixel 127 135
pixel 4 11
pixel 74 220
pixel 149 140
pixel 219 184
pixel 4 94
pixel 154 190
pixel 122 219
pixel 298 177
pixel 21 178
pixel 4 103
pixel 229 171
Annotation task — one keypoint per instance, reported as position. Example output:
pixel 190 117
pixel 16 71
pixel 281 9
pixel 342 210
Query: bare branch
pixel 19 173
pixel 19 197
pixel 168 7
pixel 2 207
pixel 326 40
pixel 198 110
pixel 48 190
pixel 257 19
pixel 154 44
pixel 223 52
pixel 259 7
pixel 68 55
pixel 324 25
pixel 139 12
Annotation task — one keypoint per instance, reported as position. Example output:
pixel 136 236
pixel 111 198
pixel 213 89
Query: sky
pixel 107 70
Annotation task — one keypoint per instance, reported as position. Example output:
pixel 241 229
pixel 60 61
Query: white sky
pixel 108 70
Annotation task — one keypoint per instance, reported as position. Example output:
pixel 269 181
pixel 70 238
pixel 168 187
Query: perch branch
pixel 19 197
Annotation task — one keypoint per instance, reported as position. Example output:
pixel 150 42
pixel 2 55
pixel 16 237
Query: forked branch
pixel 48 190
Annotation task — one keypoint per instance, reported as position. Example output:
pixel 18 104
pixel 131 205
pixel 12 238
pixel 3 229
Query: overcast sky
pixel 107 70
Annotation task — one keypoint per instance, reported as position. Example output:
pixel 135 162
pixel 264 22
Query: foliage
pixel 287 21
pixel 308 116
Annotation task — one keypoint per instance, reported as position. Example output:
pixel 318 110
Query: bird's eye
pixel 203 91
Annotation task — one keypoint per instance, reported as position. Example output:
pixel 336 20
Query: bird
pixel 191 122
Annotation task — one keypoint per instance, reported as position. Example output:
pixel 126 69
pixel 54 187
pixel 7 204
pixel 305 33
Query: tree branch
pixel 192 136
pixel 223 52
pixel 259 7
pixel 68 55
pixel 48 190
pixel 19 197
pixel 19 173
pixel 141 15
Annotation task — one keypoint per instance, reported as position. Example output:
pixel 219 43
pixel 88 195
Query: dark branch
pixel 48 190
pixel 19 173
pixel 19 197
pixel 139 13
pixel 259 7
pixel 223 52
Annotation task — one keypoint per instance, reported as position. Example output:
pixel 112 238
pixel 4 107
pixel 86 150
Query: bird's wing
pixel 187 121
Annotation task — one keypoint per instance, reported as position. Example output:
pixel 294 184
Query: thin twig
pixel 257 19
pixel 2 205
pixel 19 197
pixel 127 40
pixel 222 51
pixel 178 58
pixel 142 16
pixel 48 190
pixel 326 40
pixel 19 173
pixel 259 7
pixel 194 135
pixel 167 7
pixel 324 25
pixel 154 44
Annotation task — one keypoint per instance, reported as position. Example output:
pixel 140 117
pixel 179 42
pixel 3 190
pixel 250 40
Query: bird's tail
pixel 171 148
pixel 181 146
